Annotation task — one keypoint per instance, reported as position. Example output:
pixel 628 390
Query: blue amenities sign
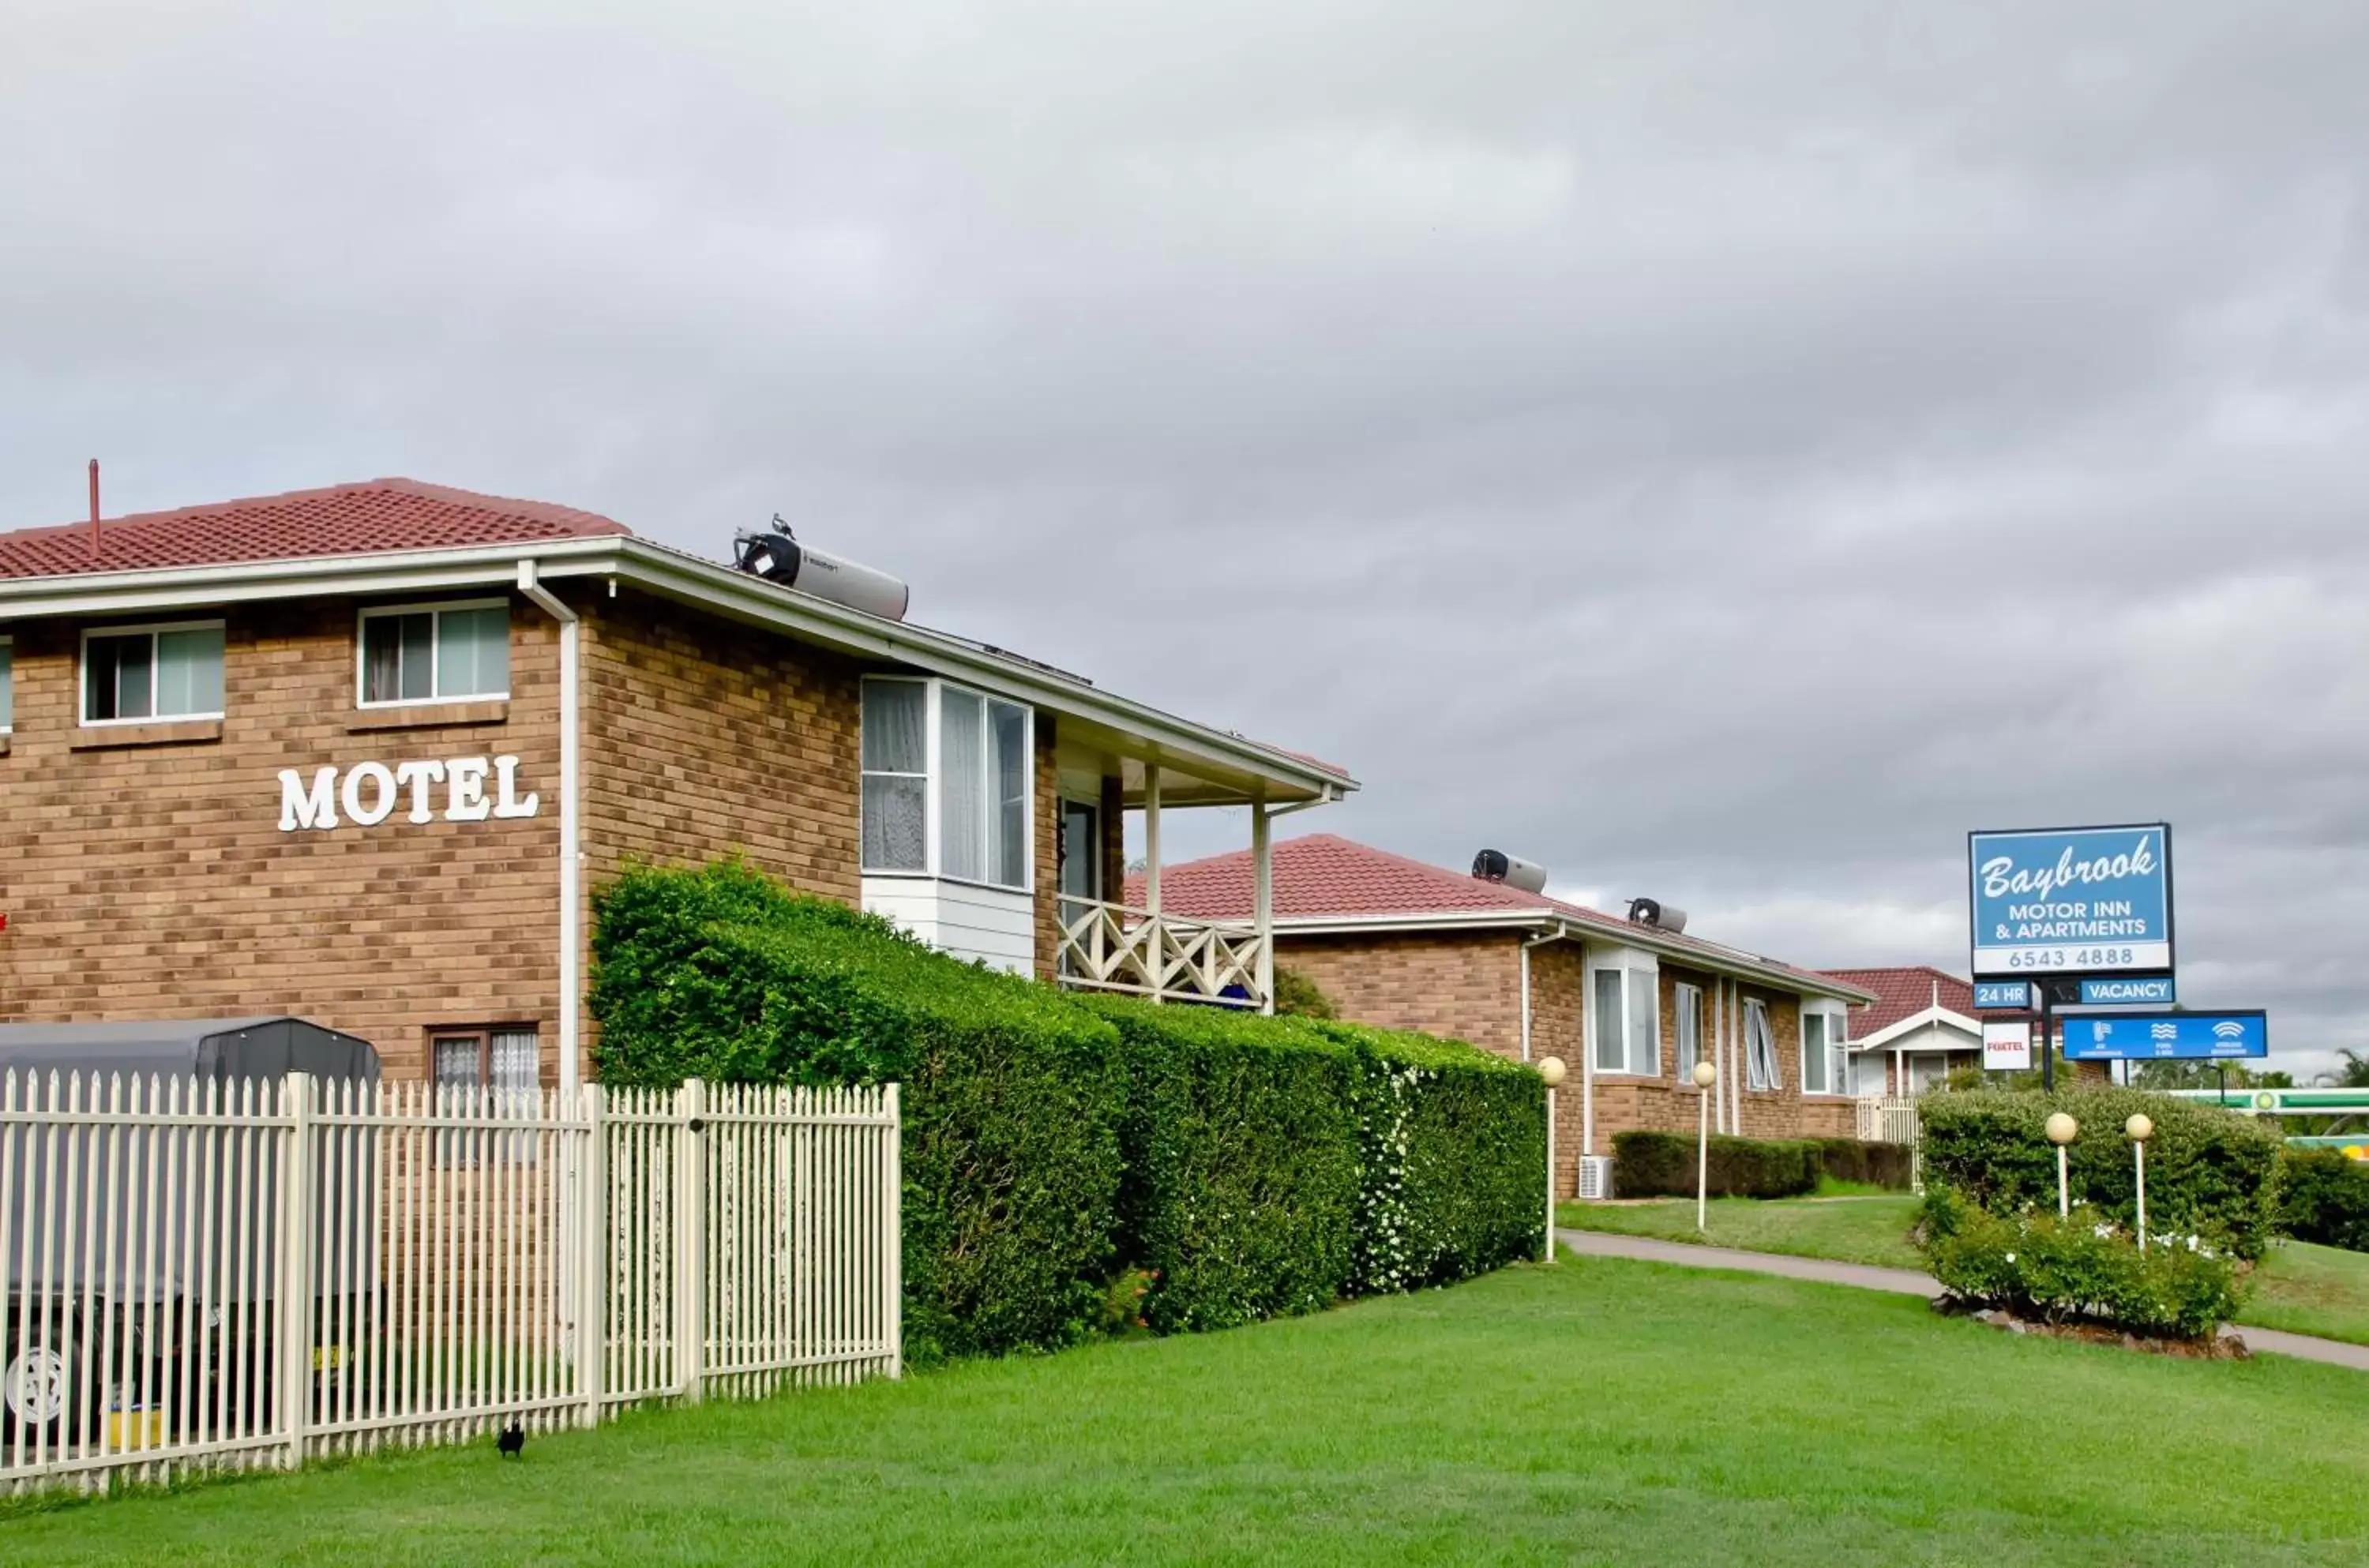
pixel 2150 1037
pixel 2158 991
pixel 2071 901
pixel 2003 996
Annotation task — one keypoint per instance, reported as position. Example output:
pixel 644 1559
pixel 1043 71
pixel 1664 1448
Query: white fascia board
pixel 1924 1020
pixel 677 576
pixel 1741 966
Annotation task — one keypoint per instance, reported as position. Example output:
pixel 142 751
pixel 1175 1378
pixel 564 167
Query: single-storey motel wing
pixel 1628 1007
pixel 362 753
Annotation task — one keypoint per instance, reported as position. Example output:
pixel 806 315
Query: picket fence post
pixel 292 1283
pixel 591 1221
pixel 892 1240
pixel 690 1238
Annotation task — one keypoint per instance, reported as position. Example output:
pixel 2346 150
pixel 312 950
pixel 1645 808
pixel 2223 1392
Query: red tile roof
pixel 344 520
pixel 1903 993
pixel 1322 876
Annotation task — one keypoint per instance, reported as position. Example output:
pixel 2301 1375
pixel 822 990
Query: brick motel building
pixel 362 754
pixel 1630 1008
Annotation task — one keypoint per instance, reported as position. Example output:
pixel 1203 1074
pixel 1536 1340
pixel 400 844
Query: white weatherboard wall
pixel 995 926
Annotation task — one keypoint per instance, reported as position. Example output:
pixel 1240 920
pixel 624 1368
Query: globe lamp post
pixel 2139 1128
pixel 1705 1075
pixel 1550 1072
pixel 2062 1129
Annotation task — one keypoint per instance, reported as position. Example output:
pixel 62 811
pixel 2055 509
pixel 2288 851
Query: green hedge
pixel 1454 1143
pixel 1242 1163
pixel 2324 1197
pixel 2209 1172
pixel 1245 1166
pixel 1013 1099
pixel 1875 1164
pixel 1661 1164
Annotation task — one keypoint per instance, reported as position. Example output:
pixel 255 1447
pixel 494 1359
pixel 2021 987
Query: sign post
pixel 2065 908
pixel 2168 1037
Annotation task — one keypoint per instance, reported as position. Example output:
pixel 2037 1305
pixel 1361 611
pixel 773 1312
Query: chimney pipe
pixel 93 509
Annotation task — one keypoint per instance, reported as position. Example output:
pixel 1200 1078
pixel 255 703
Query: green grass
pixel 1593 1412
pixel 1854 1229
pixel 2308 1289
pixel 2299 1288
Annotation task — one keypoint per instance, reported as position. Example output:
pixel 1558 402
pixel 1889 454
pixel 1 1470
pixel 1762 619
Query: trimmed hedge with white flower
pixel 1073 1162
pixel 2081 1269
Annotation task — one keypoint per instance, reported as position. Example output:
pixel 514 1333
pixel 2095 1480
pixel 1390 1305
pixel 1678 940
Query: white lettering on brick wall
pixel 370 793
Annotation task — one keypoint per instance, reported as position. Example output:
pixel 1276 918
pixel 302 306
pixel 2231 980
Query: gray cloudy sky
pixel 1721 450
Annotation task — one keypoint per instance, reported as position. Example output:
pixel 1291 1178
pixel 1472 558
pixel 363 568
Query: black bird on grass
pixel 512 1444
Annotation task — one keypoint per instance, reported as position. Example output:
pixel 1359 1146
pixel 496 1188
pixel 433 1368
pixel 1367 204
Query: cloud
pixel 1717 450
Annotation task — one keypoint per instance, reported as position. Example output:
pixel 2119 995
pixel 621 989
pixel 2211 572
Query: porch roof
pixel 400 535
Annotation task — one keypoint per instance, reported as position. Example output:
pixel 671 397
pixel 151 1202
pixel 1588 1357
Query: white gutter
pixel 571 859
pixel 675 575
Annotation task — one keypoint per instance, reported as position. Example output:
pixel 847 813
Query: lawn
pixel 1593 1411
pixel 2299 1288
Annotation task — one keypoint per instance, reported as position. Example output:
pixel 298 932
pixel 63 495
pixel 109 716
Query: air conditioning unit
pixel 1595 1177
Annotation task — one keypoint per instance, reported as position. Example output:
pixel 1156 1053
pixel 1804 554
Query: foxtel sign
pixel 457 789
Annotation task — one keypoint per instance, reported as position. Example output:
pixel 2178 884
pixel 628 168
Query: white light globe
pixel 2062 1129
pixel 2140 1128
pixel 1551 1070
pixel 1705 1075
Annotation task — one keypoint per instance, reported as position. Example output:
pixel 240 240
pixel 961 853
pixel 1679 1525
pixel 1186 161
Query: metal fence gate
pixel 243 1275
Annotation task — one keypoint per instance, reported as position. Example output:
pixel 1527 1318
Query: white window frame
pixel 435 654
pixel 150 630
pixel 1833 1049
pixel 933 795
pixel 1639 1058
pixel 1686 1008
pixel 9 685
pixel 1763 1068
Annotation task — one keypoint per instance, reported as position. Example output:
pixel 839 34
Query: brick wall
pixel 701 738
pixel 145 881
pixel 1467 985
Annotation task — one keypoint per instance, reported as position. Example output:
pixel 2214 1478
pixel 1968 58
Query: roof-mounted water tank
pixel 1497 865
pixel 1659 915
pixel 775 555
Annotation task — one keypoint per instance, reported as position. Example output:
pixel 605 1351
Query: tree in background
pixel 1296 996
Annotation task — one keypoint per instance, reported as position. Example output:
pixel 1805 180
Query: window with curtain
pixel 1687 1001
pixel 1628 1022
pixel 1644 1024
pixel 431 654
pixel 487 1071
pixel 1611 1032
pixel 979 789
pixel 896 747
pixel 1814 1062
pixel 1761 1070
pixel 961 785
pixel 152 672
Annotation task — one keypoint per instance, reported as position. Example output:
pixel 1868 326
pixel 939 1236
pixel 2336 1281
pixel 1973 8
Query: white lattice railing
pixel 228 1276
pixel 1116 947
pixel 1887 1119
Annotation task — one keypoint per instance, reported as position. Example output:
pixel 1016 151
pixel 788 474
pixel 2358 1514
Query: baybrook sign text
pixel 454 788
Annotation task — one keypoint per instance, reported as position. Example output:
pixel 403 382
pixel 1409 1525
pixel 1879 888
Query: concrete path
pixel 1901 1281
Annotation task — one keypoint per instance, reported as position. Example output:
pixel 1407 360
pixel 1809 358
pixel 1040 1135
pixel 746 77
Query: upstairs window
pixel 7 685
pixel 1825 1053
pixel 947 782
pixel 1628 1021
pixel 435 653
pixel 137 674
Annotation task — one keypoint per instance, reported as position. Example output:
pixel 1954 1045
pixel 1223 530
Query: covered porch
pixel 1134 947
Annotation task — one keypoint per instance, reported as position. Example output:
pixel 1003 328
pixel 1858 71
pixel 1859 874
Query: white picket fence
pixel 439 1266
